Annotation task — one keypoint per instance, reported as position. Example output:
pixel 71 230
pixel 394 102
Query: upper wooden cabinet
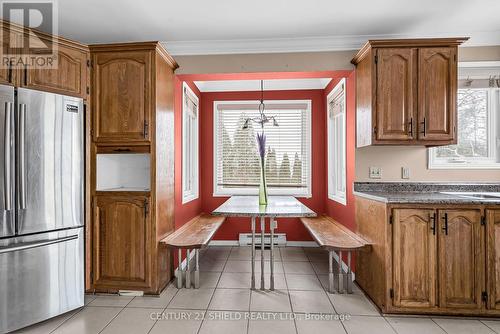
pixel 70 75
pixel 406 92
pixel 123 87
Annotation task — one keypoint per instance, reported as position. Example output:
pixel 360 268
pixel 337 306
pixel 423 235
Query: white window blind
pixel 190 118
pixel 336 109
pixel 288 148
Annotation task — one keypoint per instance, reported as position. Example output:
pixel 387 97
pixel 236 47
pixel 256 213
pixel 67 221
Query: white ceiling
pixel 254 85
pixel 242 26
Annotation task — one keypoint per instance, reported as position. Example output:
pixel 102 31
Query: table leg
pixel 253 253
pixel 262 231
pixel 271 227
pixel 340 275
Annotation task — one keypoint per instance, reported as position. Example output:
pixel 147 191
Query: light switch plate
pixel 405 173
pixel 375 172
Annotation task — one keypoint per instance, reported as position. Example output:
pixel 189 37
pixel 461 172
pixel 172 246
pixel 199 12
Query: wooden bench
pixel 195 234
pixel 333 236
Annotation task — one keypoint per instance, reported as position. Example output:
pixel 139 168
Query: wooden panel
pixel 196 233
pixel 330 234
pixel 414 258
pixel 493 258
pixel 122 241
pixel 70 76
pixel 437 90
pixel 461 259
pixel 364 100
pixel 122 91
pixel 395 94
pixel 373 271
pixel 10 38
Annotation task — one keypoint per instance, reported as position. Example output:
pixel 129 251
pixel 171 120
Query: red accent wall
pixel 292 227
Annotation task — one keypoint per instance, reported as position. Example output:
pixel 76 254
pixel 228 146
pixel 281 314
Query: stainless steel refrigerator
pixel 41 206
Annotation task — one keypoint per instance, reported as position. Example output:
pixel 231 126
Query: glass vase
pixel 262 185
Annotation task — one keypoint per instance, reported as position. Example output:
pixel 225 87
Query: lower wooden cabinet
pixel 430 259
pixel 122 239
pixel 461 259
pixel 493 258
pixel 414 258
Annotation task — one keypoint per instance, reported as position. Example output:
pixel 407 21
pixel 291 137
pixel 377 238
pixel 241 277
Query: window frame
pixel 223 192
pixel 493 109
pixel 194 193
pixel 331 166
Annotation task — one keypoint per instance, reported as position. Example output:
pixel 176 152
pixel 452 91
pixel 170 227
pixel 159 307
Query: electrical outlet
pixel 405 173
pixel 375 173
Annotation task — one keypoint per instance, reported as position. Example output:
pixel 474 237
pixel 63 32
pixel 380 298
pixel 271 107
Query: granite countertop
pixel 431 193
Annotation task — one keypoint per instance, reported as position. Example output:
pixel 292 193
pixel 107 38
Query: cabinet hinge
pixel 483 220
pixel 484 296
pixel 146 129
pixel 92 132
pixel 455 58
pixel 88 90
pixel 91 277
pixel 374 130
pixel 391 293
pixel 146 208
pixel 376 59
pixel 391 218
pixel 90 63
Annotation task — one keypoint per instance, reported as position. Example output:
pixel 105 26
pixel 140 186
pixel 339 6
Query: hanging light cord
pixel 263 119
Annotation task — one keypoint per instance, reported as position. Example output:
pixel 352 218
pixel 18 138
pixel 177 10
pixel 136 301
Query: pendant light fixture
pixel 262 119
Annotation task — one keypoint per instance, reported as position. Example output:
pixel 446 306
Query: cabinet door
pixel 461 259
pixel 414 258
pixel 437 94
pixel 121 242
pixel 10 41
pixel 395 93
pixel 122 96
pixel 493 257
pixel 69 78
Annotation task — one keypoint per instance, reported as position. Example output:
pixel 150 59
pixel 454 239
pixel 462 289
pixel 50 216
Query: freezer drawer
pixel 41 276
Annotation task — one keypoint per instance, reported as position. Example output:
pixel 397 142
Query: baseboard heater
pixel 279 239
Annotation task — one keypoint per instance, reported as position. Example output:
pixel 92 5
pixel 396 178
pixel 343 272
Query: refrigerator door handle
pixel 7 157
pixel 34 244
pixel 21 155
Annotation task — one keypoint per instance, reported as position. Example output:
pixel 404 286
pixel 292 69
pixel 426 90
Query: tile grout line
pixel 494 331
pixel 66 320
pixel 113 319
pixel 444 330
pixel 289 297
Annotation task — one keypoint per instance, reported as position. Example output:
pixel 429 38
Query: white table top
pixel 277 206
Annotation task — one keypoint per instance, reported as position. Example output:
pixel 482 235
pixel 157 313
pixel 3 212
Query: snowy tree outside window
pixel 288 153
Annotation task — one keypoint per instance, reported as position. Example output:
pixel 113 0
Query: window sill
pixel 246 192
pixel 340 200
pixel 461 166
pixel 186 198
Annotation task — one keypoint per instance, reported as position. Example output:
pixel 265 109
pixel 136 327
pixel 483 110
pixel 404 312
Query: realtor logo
pixel 23 45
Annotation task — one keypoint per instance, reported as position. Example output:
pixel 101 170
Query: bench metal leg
pixel 330 271
pixel 348 275
pixel 179 269
pixel 197 269
pixel 271 227
pixel 340 275
pixel 253 254
pixel 188 270
pixel 262 231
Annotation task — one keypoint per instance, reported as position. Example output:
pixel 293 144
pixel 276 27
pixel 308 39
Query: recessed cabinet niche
pixel 406 92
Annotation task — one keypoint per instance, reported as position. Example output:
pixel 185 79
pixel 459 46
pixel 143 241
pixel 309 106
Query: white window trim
pixel 342 199
pixel 221 192
pixel 188 196
pixel 475 163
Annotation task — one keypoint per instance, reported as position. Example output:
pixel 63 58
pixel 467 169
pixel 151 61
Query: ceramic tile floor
pixel 223 300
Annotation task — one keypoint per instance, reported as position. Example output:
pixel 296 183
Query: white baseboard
pixel 224 243
pixel 302 244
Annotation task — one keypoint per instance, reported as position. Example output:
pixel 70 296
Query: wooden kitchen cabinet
pixel 414 258
pixel 430 258
pixel 437 94
pixel 461 259
pixel 133 112
pixel 70 76
pixel 406 92
pixel 122 236
pixel 9 76
pixel 122 84
pixel 493 258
